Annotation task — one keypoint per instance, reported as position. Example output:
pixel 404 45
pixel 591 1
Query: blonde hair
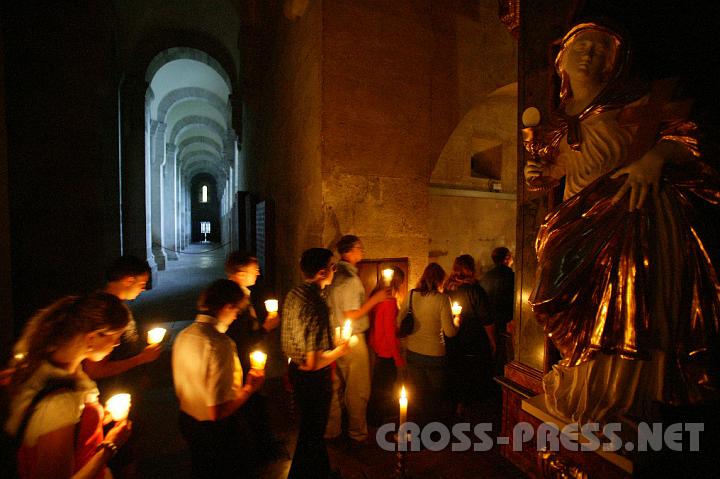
pixel 56 325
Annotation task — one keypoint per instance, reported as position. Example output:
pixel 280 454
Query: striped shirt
pixel 305 322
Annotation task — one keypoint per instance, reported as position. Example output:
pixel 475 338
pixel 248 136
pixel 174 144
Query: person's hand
pixel 255 379
pixel 643 176
pixel 271 321
pixel 342 348
pixel 382 295
pixel 533 169
pixel 120 433
pixel 149 354
pixel 107 417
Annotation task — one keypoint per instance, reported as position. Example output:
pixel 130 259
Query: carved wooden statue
pixel 626 286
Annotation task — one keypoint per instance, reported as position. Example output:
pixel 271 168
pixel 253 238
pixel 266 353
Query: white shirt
pixel 206 367
pixel 57 410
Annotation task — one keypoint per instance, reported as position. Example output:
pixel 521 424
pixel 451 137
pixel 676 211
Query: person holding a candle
pixel 386 345
pixel 427 364
pixel 126 279
pixel 209 385
pixel 470 352
pixel 250 331
pixel 346 297
pixel 307 339
pixel 62 435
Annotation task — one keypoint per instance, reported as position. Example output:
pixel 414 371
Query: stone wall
pixel 377 92
pixel 281 146
pixel 61 106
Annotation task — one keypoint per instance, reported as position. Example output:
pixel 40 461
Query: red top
pixel 382 336
pixel 89 436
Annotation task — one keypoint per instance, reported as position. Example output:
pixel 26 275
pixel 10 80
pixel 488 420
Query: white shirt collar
pixel 206 318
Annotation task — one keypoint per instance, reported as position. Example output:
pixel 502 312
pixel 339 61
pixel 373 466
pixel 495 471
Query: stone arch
pixel 191 157
pixel 196 120
pixel 186 53
pixel 187 93
pixel 202 140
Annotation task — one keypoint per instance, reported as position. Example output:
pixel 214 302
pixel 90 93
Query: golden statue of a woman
pixel 626 286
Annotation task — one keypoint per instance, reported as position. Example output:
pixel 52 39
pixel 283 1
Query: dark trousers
pixel 428 377
pixel 382 406
pixel 257 417
pixel 313 393
pixel 218 449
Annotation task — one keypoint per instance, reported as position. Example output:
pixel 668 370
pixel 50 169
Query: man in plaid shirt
pixel 307 340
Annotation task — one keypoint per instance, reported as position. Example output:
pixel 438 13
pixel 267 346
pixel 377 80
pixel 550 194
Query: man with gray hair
pixel 351 384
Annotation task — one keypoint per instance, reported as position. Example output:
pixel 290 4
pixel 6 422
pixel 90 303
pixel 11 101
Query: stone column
pixel 135 169
pixel 169 202
pixel 157 160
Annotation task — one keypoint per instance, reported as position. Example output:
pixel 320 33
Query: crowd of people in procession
pixel 78 345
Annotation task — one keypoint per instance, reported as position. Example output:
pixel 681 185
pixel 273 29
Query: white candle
pixel 118 406
pixel 155 335
pixel 347 330
pixel 271 305
pixel 388 275
pixel 403 407
pixel 456 309
pixel 257 360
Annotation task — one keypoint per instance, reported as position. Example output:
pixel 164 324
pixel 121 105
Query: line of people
pixel 330 378
pixel 61 430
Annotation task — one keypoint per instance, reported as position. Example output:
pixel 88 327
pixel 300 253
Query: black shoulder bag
pixel 408 322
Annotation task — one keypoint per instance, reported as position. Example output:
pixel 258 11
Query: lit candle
pixel 257 360
pixel 347 330
pixel 456 309
pixel 155 335
pixel 388 275
pixel 118 406
pixel 271 305
pixel 403 406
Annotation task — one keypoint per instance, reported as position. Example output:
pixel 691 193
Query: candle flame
pixel 119 406
pixel 403 393
pixel 156 335
pixel 271 305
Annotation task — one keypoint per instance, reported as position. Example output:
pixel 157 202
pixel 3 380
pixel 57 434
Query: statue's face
pixel 588 56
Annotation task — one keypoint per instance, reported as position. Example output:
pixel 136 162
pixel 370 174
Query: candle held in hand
pixel 388 275
pixel 347 330
pixel 118 406
pixel 155 335
pixel 271 305
pixel 257 360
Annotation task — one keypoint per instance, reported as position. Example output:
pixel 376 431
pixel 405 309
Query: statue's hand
pixel 643 176
pixel 533 169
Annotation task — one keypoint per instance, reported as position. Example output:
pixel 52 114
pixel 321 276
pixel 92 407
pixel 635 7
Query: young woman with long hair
pixel 63 436
pixel 383 341
pixel 427 365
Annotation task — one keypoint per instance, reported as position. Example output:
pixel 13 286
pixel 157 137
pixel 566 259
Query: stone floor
pixel 162 452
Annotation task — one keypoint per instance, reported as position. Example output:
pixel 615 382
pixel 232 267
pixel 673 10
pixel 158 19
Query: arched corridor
pixel 190 143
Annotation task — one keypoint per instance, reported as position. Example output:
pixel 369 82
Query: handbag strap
pixel 42 394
